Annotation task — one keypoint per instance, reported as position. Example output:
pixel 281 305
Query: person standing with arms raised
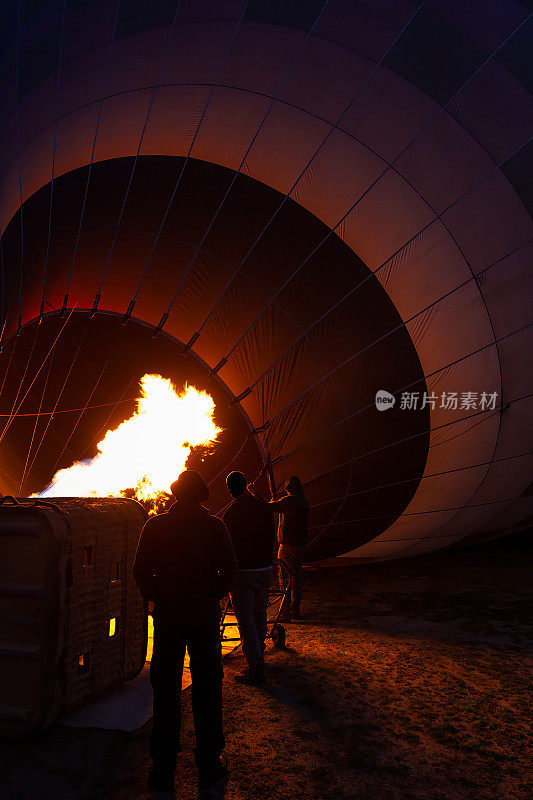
pixel 293 509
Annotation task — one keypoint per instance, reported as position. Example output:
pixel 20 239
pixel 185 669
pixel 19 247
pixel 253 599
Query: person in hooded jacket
pixel 250 523
pixel 293 509
pixel 184 564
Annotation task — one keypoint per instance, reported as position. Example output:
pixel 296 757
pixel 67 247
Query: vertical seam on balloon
pixel 237 172
pixel 317 151
pixel 178 182
pixel 53 154
pixel 19 149
pixel 143 131
pixel 106 76
pixel 372 274
pixel 381 175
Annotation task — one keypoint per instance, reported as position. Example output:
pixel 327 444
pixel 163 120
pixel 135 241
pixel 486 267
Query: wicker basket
pixel 72 621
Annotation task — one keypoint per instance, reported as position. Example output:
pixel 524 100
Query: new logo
pixel 384 400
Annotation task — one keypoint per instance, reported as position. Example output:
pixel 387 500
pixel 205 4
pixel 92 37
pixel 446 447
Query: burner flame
pixel 146 452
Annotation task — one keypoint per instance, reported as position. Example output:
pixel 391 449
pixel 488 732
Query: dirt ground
pixel 405 681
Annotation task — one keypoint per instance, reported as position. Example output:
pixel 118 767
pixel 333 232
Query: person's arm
pixel 225 559
pixel 144 564
pixel 277 506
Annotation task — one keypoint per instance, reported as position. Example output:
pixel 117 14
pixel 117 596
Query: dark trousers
pixel 249 596
pixel 292 556
pixel 203 644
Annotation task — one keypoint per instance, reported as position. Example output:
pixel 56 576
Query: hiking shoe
pixel 251 677
pixel 212 785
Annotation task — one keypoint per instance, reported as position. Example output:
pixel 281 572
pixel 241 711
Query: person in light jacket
pixel 293 509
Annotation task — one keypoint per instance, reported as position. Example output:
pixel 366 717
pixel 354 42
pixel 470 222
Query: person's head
pixel 294 485
pixel 190 486
pixel 236 483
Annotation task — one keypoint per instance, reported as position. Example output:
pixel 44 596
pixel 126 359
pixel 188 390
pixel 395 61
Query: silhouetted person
pixel 185 564
pixel 251 527
pixel 293 509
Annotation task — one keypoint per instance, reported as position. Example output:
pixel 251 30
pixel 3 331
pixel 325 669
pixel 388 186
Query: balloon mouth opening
pixel 248 351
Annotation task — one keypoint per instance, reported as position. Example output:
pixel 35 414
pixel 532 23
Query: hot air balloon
pixel 317 212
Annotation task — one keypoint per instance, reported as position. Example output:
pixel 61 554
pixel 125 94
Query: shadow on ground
pixel 405 681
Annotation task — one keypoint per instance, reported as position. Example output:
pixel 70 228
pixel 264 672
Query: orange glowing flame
pixel 146 452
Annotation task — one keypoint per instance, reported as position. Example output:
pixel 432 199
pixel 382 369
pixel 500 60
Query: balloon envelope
pixel 323 213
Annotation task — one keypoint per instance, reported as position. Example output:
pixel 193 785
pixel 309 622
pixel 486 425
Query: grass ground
pixel 409 680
